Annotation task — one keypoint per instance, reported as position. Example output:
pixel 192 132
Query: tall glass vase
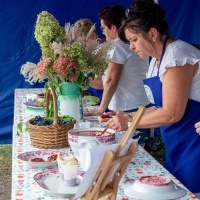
pixel 70 101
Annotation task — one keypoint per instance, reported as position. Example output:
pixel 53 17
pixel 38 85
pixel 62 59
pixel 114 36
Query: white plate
pixel 147 192
pixel 44 154
pixel 91 118
pixel 37 107
pixel 33 106
pixel 47 180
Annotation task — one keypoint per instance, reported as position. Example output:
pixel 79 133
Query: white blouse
pixel 179 53
pixel 130 92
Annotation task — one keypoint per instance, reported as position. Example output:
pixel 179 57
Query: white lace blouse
pixel 179 53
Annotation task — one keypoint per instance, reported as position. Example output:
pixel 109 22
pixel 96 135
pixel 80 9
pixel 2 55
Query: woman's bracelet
pixel 130 117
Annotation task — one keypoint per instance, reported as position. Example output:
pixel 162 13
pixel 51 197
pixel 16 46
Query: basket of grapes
pixel 49 133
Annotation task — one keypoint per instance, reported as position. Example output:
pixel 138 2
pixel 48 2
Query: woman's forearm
pixel 157 118
pixel 132 114
pixel 108 92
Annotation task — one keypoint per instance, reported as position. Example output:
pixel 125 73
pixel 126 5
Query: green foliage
pixel 51 111
pixel 60 53
pixel 47 30
pixel 20 128
pixel 67 118
pixel 99 68
pixel 76 51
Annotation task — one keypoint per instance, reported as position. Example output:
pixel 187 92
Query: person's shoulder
pixel 179 48
pixel 179 44
pixel 119 42
pixel 179 52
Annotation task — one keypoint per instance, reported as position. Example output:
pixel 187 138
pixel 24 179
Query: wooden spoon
pixel 104 130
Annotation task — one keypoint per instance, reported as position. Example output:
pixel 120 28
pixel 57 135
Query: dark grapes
pixel 42 121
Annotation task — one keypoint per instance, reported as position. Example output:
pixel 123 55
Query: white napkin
pixel 92 163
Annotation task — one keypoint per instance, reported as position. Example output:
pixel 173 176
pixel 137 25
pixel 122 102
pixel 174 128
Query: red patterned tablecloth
pixel 25 188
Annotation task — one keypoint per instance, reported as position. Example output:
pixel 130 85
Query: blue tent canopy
pixel 183 19
pixel 18 45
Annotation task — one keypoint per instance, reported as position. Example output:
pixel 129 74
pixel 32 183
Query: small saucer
pixel 49 178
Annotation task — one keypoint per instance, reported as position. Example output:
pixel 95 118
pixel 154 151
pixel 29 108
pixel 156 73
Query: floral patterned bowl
pixel 154 187
pixel 87 138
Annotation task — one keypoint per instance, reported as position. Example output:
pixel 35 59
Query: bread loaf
pixel 71 161
pixel 104 118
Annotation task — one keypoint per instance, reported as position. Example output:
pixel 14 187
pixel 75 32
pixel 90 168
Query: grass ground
pixel 155 147
pixel 5 171
pixel 158 155
pixel 5 160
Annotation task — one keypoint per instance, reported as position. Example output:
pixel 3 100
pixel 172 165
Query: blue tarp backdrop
pixel 18 45
pixel 183 19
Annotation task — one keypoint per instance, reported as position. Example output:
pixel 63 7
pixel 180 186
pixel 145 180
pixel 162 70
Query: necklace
pixel 161 57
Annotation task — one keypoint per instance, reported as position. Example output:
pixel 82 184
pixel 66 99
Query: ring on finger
pixel 114 127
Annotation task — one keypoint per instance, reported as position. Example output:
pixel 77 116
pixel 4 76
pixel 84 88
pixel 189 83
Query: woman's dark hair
pixel 112 15
pixel 142 16
pixel 196 45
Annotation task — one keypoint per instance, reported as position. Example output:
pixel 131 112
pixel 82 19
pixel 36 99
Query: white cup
pixel 70 175
pixel 60 169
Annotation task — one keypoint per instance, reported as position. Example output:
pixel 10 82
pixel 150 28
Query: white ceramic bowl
pixel 87 138
pixel 154 188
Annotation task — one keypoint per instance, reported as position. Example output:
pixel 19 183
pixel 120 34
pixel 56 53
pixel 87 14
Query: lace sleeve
pixel 178 54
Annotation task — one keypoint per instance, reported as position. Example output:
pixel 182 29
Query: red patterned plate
pixel 41 158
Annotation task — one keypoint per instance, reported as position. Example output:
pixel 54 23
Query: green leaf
pixel 67 118
pixel 26 129
pixel 51 111
pixel 19 128
pixel 92 75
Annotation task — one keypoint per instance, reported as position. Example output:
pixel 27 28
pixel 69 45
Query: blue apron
pixel 181 141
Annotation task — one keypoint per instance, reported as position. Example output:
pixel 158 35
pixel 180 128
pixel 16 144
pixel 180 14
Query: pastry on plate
pixel 104 117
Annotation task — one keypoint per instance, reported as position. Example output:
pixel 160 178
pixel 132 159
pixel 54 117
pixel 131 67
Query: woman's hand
pixel 118 112
pixel 119 122
pixel 197 126
pixel 92 112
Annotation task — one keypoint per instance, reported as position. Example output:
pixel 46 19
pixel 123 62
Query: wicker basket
pixel 50 137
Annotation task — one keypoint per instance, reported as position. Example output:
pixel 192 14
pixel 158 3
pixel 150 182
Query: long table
pixel 25 188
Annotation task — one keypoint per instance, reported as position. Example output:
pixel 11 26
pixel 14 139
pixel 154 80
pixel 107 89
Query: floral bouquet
pixel 65 60
pixel 62 60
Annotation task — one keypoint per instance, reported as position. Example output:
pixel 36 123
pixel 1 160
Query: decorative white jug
pixel 70 101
